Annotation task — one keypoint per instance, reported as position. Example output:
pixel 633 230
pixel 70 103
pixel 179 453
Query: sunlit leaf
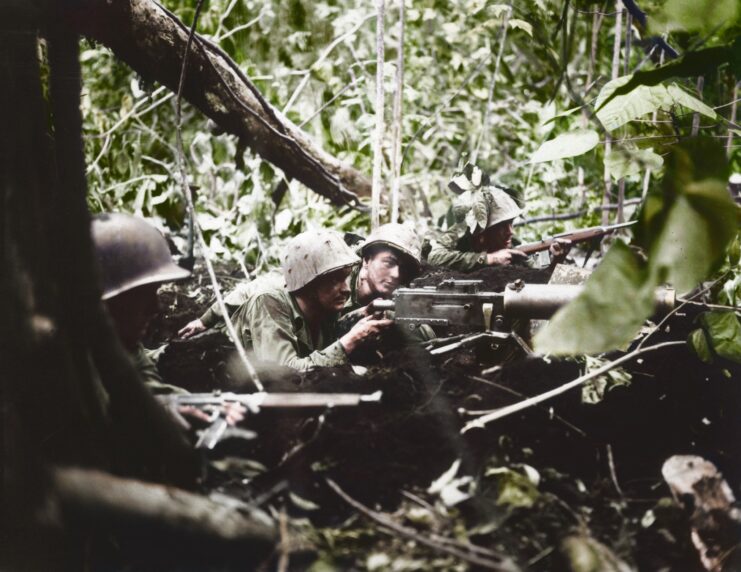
pixel 695 15
pixel 526 27
pixel 617 110
pixel 566 145
pixel 607 314
pixel 625 163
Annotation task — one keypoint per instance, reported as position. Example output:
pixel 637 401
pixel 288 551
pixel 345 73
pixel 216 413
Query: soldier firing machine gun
pixel 462 305
pixel 215 402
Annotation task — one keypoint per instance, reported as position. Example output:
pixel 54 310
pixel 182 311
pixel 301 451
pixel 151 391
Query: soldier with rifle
pixel 482 233
pixel 134 261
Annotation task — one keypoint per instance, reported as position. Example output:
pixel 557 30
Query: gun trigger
pixel 488 309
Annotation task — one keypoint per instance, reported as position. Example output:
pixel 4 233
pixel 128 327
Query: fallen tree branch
pixel 455 549
pixel 86 498
pixel 532 401
pixel 152 41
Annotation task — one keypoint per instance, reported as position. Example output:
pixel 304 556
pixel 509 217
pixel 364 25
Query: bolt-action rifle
pixel 255 401
pixel 575 236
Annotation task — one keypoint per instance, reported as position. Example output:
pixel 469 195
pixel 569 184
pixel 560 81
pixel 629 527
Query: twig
pixel 613 473
pixel 729 142
pixel 581 213
pixel 283 545
pixel 353 83
pixel 520 395
pixel 448 548
pixel 527 403
pixel 492 86
pixel 681 305
pixel 251 372
pixel 396 132
pixel 378 133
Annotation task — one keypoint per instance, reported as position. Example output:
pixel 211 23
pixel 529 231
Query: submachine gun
pixel 460 306
pixel 215 401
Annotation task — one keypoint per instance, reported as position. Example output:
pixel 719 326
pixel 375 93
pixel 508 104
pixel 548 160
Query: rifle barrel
pixel 575 236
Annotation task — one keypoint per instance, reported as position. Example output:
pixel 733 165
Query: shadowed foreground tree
pixel 70 394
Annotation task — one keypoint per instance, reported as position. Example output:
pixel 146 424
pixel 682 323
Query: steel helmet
pixel 397 236
pixel 131 253
pixel 501 206
pixel 312 254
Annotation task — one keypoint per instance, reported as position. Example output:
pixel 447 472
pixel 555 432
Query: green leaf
pixel 702 16
pixel 616 300
pixel 688 225
pixel 699 343
pixel 594 390
pixel 515 489
pixel 724 331
pixel 526 27
pixel 566 145
pixel 692 64
pixel 616 105
pixel 629 163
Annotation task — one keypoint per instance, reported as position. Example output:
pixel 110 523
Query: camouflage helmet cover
pixel 397 236
pixel 313 253
pixel 481 203
pixel 131 253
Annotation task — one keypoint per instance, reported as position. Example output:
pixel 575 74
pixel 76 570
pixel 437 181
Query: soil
pixel 599 465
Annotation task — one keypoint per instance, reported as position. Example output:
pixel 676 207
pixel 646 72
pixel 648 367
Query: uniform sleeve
pixel 464 261
pixel 233 301
pixel 444 251
pixel 274 339
pixel 150 376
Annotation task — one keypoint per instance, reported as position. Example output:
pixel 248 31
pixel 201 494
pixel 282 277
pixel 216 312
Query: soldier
pixel 134 260
pixel 391 256
pixel 483 232
pixel 294 324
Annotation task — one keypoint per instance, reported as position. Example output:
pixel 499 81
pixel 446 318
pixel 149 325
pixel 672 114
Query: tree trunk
pixel 152 41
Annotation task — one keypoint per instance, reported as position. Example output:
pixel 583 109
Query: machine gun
pixel 255 401
pixel 461 306
pixel 575 236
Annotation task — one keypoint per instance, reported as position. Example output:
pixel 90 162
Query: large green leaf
pixel 629 163
pixel 687 227
pixel 692 64
pixel 615 110
pixel 724 331
pixel 702 16
pixel 566 145
pixel 616 300
pixel 699 342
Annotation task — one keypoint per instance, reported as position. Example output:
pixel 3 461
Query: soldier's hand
pixel 367 329
pixel 504 256
pixel 191 329
pixel 559 250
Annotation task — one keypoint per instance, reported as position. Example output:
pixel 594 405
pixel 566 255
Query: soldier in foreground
pixel 134 260
pixel 390 257
pixel 483 234
pixel 295 324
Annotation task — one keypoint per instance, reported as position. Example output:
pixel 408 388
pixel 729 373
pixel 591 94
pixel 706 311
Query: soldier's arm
pixel 233 301
pixel 273 337
pixel 450 257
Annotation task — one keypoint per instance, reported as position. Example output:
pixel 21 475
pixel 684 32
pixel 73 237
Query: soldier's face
pixel 332 290
pixel 131 311
pixel 497 237
pixel 384 272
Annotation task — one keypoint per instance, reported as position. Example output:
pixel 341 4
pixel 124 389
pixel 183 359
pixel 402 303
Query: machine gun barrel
pixel 459 303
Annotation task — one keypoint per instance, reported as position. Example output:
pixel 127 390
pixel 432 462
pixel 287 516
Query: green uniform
pixel 270 322
pixel 454 249
pixel 149 374
pixel 237 297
